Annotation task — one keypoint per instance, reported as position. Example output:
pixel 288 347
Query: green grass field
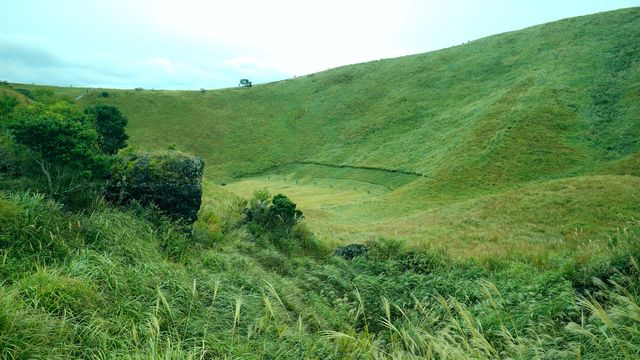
pixel 495 184
pixel 510 143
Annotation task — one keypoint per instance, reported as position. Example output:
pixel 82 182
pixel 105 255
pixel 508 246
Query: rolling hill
pixel 496 185
pixel 528 140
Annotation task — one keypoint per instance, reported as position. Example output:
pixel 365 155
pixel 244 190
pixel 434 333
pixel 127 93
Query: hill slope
pixel 559 99
pixel 382 141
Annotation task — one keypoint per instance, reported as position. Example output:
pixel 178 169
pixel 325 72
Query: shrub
pixel 63 143
pixel 26 92
pixel 7 104
pixel 110 124
pixel 276 215
pixel 351 251
pixel 283 213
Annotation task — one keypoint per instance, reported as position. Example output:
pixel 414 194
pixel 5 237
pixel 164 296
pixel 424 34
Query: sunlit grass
pixel 565 216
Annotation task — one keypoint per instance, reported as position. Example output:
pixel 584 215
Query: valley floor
pixel 573 215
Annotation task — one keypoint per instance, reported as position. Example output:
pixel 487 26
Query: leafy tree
pixel 109 123
pixel 62 142
pixel 245 83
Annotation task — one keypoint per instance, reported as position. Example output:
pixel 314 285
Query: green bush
pixel 7 104
pixel 63 143
pixel 110 124
pixel 276 215
pixel 26 93
pixel 170 181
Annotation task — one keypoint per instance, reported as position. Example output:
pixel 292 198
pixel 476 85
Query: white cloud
pixel 203 43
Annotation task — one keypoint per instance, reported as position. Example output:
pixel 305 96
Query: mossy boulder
pixel 170 180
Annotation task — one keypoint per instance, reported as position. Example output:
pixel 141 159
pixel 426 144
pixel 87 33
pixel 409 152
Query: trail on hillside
pixel 344 166
pixel 335 166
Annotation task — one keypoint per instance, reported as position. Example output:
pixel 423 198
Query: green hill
pixel 496 184
pixel 377 148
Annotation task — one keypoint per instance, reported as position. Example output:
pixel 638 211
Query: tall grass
pixel 103 284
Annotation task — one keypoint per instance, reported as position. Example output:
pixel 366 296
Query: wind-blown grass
pixel 110 283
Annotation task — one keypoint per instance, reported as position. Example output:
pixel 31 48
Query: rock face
pixel 170 180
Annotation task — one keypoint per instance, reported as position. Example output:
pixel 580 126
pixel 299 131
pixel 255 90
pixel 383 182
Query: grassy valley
pixel 397 141
pixel 495 186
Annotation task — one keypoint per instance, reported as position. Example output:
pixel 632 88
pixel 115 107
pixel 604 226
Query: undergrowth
pixel 110 283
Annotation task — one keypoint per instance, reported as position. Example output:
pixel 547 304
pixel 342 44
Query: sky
pixel 194 44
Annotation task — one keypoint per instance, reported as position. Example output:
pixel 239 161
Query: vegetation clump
pixel 277 214
pixel 26 93
pixel 350 251
pixel 110 125
pixel 64 145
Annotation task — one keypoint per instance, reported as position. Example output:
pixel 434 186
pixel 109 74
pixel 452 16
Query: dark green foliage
pixel 351 251
pixel 172 181
pixel 245 83
pixel 104 94
pixel 110 124
pixel 276 220
pixel 26 92
pixel 58 133
pixel 13 158
pixel 275 215
pixel 8 102
pixel 63 142
pixel 283 212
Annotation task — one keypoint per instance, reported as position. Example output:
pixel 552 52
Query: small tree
pixel 61 141
pixel 245 83
pixel 109 123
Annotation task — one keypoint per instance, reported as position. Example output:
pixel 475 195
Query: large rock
pixel 170 180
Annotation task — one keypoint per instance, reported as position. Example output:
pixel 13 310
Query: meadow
pixel 515 142
pixel 495 184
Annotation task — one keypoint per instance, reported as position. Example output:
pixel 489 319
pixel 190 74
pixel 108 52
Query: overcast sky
pixel 191 44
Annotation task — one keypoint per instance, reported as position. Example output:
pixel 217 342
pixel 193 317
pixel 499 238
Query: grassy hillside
pixel 496 185
pixel 400 147
pixel 559 98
